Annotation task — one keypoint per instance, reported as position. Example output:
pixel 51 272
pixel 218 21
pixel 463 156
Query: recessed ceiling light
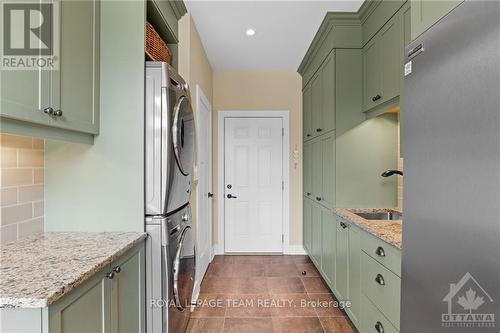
pixel 250 32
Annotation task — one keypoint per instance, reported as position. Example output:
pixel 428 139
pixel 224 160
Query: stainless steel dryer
pixel 169 155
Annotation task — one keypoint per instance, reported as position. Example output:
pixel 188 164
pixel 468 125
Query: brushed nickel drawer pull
pixel 379 327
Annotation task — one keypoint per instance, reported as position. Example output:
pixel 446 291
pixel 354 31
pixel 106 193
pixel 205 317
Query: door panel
pixel 253 171
pixel 316 235
pixel 316 105
pixel 317 166
pixel 354 274
pixel 75 86
pixel 371 68
pixel 391 55
pixel 341 262
pixel 328 93
pixel 328 171
pixel 307 212
pixel 308 163
pixel 306 100
pixel 328 246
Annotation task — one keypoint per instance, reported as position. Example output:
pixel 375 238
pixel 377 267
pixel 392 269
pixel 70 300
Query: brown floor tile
pixel 337 325
pixel 248 325
pixel 248 270
pixel 273 260
pixel 301 259
pixel 308 268
pixel 219 270
pixel 281 270
pixel 210 305
pixel 255 285
pixel 292 305
pixel 285 285
pixel 297 325
pixel 218 285
pixel 205 325
pixel 315 285
pixel 219 259
pixel 243 259
pixel 241 306
pixel 326 305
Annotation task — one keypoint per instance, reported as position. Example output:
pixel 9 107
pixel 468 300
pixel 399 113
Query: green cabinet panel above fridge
pixel 425 13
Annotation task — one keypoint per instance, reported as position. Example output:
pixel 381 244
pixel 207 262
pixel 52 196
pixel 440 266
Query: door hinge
pixel 282 238
pixel 282 185
pixel 282 131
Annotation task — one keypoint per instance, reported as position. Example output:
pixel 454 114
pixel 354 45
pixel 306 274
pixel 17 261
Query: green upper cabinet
pixel 75 86
pixel 328 94
pixel 319 100
pixel 66 97
pixel 306 110
pixel 382 64
pixel 307 169
pixel 319 169
pixel 425 13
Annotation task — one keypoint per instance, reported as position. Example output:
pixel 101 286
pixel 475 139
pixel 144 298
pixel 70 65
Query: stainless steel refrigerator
pixel 451 225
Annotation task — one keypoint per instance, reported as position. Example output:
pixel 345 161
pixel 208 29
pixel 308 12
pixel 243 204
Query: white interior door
pixel 253 178
pixel 204 189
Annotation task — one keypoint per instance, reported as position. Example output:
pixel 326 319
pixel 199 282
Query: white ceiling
pixel 284 31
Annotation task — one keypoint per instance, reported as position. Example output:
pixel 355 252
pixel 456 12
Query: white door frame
pixel 201 98
pixel 285 116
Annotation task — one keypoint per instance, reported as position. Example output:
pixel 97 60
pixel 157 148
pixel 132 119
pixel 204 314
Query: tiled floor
pixel 261 294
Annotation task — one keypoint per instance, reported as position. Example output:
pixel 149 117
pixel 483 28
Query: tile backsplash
pixel 21 186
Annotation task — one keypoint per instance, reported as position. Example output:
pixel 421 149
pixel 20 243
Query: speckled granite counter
pixel 388 231
pixel 37 271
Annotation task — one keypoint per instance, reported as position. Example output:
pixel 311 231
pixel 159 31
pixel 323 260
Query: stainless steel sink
pixel 385 216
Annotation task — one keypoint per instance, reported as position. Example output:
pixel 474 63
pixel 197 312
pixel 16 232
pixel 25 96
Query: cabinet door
pixel 317 170
pixel 307 211
pixel 390 58
pixel 406 38
pixel 316 104
pixel 127 293
pixel 85 309
pixel 341 261
pixel 306 109
pixel 354 274
pixel 328 93
pixel 329 232
pixel 328 171
pixel 316 237
pixel 75 86
pixel 425 13
pixel 307 165
pixel 371 73
pixel 24 94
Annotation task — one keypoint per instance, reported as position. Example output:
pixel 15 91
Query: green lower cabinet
pixel 307 223
pixel 342 260
pixel 111 301
pixel 373 320
pixel 329 233
pixel 316 235
pixel 354 311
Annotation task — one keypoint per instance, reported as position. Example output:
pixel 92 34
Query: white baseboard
pixel 295 250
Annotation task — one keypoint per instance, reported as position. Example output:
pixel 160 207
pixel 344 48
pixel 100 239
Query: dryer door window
pixel 184 270
pixel 183 135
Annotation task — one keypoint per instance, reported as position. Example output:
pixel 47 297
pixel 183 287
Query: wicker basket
pixel 156 48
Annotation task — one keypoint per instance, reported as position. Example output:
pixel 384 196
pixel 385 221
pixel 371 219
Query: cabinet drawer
pixel 373 320
pixel 384 253
pixel 382 287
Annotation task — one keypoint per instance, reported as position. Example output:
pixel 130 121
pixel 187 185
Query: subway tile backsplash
pixel 21 187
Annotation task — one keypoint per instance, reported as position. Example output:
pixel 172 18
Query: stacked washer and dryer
pixel 169 156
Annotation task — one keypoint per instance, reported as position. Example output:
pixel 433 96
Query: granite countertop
pixel 38 270
pixel 388 231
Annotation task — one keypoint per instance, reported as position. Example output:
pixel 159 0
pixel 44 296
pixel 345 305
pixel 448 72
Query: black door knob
pixel 230 196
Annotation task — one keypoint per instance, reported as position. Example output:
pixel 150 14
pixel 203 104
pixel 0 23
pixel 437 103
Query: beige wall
pixel 263 91
pixel 195 68
pixel 22 185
